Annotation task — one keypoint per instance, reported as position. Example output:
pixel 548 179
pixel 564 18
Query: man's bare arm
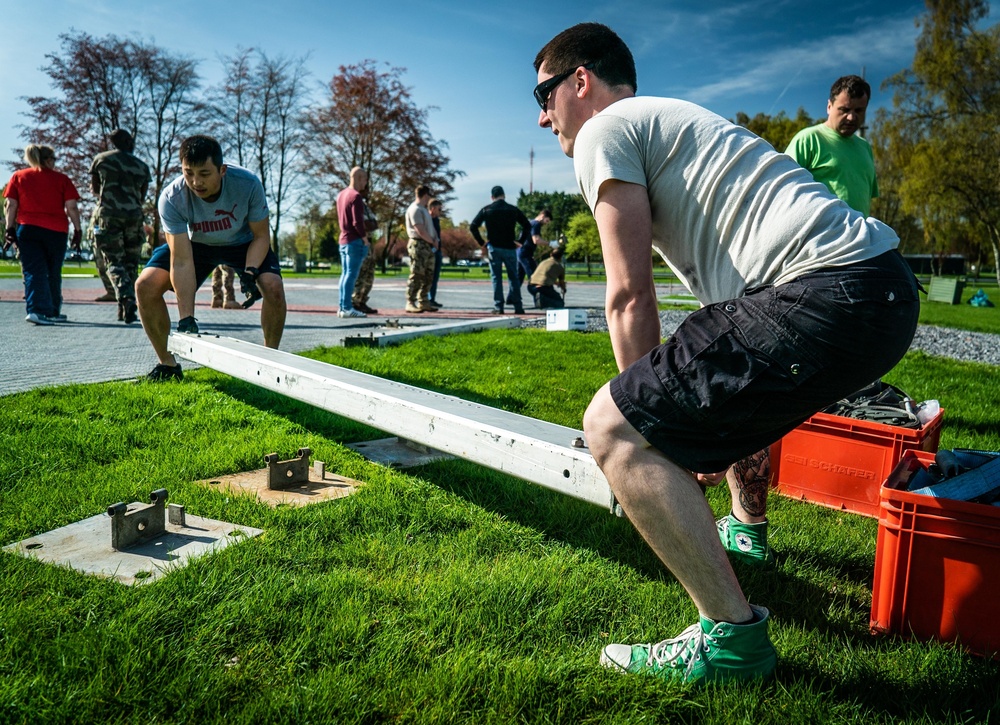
pixel 260 244
pixel 624 221
pixel 182 276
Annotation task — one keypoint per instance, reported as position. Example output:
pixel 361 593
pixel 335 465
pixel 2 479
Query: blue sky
pixel 473 61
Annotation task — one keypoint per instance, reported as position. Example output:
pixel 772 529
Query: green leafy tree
pixel 776 130
pixel 946 112
pixel 562 205
pixel 582 238
pixel 891 158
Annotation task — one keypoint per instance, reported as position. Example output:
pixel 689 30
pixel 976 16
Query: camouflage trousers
pixel 418 287
pixel 119 241
pixel 222 284
pixel 102 271
pixel 364 282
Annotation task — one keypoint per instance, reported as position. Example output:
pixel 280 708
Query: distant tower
pixel 531 176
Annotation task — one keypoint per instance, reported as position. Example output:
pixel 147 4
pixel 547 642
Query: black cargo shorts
pixel 737 375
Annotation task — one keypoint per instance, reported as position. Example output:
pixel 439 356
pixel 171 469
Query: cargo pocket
pixel 724 380
pixel 887 292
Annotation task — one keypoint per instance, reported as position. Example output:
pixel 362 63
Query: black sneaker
pixel 129 311
pixel 188 324
pixel 162 373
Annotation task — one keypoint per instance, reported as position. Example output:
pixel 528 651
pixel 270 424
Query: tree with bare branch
pixel 260 104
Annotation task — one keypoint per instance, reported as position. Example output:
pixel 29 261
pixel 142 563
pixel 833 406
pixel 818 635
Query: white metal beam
pixel 534 450
pixel 388 336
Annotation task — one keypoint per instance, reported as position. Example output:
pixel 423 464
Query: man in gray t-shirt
pixel 804 300
pixel 213 214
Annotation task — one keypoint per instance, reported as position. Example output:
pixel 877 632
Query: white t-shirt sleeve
pixel 607 147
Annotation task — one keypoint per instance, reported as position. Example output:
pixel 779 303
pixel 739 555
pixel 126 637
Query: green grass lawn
pixel 445 594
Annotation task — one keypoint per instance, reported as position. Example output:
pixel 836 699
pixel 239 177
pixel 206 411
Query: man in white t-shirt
pixel 212 214
pixel 804 302
pixel 423 242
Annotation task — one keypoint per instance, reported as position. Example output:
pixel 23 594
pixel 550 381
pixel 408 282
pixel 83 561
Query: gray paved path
pixel 93 347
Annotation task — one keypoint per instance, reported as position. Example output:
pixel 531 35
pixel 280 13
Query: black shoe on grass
pixel 162 373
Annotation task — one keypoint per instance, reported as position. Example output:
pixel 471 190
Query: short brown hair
pixel 423 190
pixel 593 44
pixel 856 87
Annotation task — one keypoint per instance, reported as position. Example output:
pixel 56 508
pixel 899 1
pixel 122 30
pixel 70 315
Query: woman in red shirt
pixel 39 200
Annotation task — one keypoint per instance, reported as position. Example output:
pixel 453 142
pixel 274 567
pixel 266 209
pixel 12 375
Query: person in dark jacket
pixel 501 246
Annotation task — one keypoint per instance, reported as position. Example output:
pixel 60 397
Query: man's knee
pixel 151 284
pixel 271 287
pixel 603 425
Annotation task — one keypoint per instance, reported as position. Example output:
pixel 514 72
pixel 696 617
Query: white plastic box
pixel 568 319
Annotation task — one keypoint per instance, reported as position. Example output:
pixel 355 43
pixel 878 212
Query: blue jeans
pixel 42 252
pixel 352 255
pixel 526 262
pixel 500 258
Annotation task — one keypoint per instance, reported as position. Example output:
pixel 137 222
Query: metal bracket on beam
pixel 285 474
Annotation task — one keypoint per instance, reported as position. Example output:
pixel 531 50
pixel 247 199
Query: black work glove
pixel 188 324
pixel 9 237
pixel 248 286
pixel 77 238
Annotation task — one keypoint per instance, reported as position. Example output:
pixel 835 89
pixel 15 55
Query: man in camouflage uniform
pixel 363 286
pixel 366 277
pixel 102 268
pixel 119 181
pixel 423 242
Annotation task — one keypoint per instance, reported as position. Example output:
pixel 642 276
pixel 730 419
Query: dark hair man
pixel 786 273
pixel 435 207
pixel 501 246
pixel 212 214
pixel 120 181
pixel 526 254
pixel 834 153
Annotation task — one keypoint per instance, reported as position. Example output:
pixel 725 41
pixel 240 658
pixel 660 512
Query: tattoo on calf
pixel 753 475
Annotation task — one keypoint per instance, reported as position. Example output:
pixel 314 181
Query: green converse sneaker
pixel 704 652
pixel 746 541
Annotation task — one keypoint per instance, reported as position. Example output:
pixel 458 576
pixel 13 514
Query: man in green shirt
pixel 833 152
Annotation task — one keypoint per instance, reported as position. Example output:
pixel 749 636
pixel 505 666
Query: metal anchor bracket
pixel 142 523
pixel 285 474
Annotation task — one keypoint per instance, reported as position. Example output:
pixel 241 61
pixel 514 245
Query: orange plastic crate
pixel 937 566
pixel 841 462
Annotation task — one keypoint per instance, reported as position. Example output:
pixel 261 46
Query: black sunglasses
pixel 544 89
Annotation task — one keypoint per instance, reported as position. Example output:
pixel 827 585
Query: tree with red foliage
pixel 107 83
pixel 370 120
